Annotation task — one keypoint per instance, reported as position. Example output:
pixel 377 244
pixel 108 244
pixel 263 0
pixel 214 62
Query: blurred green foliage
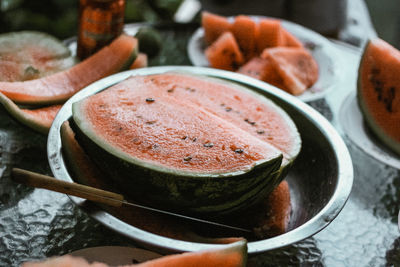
pixel 60 17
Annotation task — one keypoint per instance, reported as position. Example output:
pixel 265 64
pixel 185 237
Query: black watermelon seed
pixel 260 131
pixel 208 145
pixel 187 158
pixel 239 151
pixel 150 99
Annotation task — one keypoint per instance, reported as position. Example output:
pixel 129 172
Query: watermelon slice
pixel 213 26
pixel 269 34
pixel 224 53
pixel 378 91
pixel 296 66
pixel 39 119
pixel 262 69
pixel 244 30
pixel 58 87
pixel 230 255
pixel 30 55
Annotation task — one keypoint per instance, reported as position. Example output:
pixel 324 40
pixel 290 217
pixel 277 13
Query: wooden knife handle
pixel 46 182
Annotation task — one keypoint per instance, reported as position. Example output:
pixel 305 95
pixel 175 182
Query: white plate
pixel 354 127
pixel 323 52
pixel 115 255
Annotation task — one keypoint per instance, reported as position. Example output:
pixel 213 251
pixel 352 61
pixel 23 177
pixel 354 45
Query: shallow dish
pixel 321 49
pixel 355 128
pixel 320 180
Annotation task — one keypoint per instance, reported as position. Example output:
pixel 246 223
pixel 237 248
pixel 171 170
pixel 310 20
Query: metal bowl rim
pixel 311 227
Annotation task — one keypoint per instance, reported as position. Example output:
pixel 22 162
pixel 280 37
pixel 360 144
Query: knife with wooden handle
pixel 96 195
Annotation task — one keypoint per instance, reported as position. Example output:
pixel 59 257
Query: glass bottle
pixel 100 21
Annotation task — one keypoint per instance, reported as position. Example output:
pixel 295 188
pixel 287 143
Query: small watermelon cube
pixel 244 30
pixel 262 69
pixel 214 25
pixel 269 34
pixel 291 40
pixel 224 53
pixel 295 66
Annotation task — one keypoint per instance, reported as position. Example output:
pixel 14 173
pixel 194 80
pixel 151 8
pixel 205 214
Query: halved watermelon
pixel 214 26
pixel 28 55
pixel 58 87
pixel 378 91
pixel 224 53
pixel 39 119
pixel 296 66
pixel 140 127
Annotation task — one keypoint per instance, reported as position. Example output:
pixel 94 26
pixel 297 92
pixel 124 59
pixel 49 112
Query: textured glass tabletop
pixel 36 223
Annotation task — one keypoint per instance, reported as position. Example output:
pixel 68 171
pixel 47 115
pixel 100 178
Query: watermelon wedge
pixel 28 55
pixel 38 119
pixel 378 91
pixel 296 66
pixel 58 87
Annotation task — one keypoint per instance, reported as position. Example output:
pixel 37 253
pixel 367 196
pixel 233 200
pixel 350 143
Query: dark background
pixel 59 17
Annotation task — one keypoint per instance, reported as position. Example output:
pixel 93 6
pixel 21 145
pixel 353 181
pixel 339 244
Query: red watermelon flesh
pixel 378 91
pixel 295 66
pixel 60 86
pixel 148 124
pixel 291 40
pixel 262 69
pixel 244 30
pixel 250 112
pixel 224 53
pixel 269 34
pixel 214 26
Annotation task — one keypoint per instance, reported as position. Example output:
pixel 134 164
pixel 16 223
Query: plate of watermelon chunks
pixel 281 53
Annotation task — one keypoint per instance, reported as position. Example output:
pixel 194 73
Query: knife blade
pixel 100 196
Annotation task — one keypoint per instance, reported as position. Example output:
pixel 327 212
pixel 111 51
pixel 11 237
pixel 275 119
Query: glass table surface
pixel 35 223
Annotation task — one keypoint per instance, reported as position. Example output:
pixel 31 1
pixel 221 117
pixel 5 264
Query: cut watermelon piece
pixel 291 40
pixel 296 66
pixel 269 34
pixel 30 55
pixel 244 30
pixel 224 53
pixel 231 255
pixel 58 87
pixel 262 69
pixel 39 119
pixel 214 26
pixel 378 91
pixel 141 61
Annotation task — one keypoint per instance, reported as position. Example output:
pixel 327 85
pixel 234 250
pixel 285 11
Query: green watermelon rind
pixel 391 143
pixel 19 115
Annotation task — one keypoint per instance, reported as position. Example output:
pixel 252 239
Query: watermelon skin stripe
pixel 180 189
